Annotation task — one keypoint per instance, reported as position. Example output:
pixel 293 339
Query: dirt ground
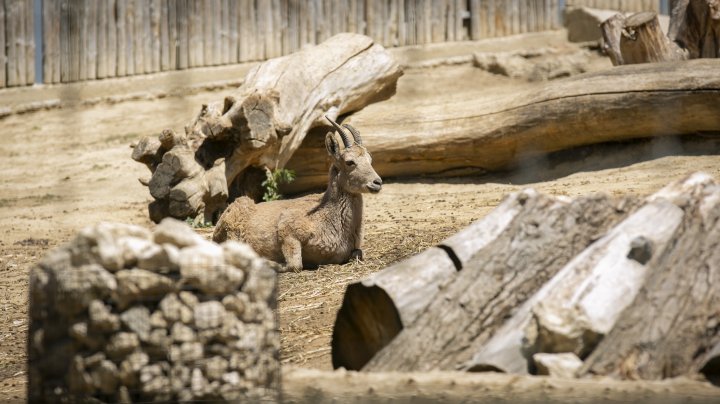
pixel 68 168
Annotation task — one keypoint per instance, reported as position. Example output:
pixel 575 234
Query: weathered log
pixel 261 124
pixel 642 41
pixel 695 26
pixel 627 102
pixel 584 300
pixel 673 324
pixel 376 309
pixel 542 238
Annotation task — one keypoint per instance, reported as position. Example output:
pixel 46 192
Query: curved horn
pixel 355 133
pixel 343 135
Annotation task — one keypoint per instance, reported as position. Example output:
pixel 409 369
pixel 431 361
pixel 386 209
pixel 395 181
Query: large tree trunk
pixel 673 324
pixel 540 240
pixel 376 309
pixel 628 102
pixel 261 124
pixel 695 26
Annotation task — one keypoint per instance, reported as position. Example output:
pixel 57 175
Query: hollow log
pixel 673 324
pixel 376 309
pixel 627 102
pixel 543 237
pixel 261 124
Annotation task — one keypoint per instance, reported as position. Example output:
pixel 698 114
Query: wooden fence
pixel 621 5
pixel 95 39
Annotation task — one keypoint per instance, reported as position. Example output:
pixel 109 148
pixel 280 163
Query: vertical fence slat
pixel 155 41
pixel 147 42
pixel 91 54
pixel 121 37
pixel 207 28
pixel 110 30
pixel 225 32
pixel 233 34
pixel 216 25
pixel 101 42
pixel 165 35
pixel 474 19
pixel 443 24
pixel 3 57
pixel 82 39
pixel 515 13
pixel 76 51
pixel 30 42
pixel 49 61
pixel 460 30
pixel 181 22
pixel 19 43
pixel 195 37
pixel 276 28
pixel 302 23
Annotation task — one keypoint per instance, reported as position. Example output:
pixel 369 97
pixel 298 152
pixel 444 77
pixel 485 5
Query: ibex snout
pixel 375 186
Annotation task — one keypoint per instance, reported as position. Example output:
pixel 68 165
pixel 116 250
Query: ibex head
pixel 353 163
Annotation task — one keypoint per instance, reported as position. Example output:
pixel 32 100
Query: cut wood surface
pixel 262 124
pixel 320 387
pixel 627 102
pixel 540 240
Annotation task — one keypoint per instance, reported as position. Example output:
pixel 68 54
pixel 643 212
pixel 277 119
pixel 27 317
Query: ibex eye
pixel 350 163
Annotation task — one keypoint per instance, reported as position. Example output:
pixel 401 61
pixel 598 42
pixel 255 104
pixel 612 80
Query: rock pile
pixel 123 314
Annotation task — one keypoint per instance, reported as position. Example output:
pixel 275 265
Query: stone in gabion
pixel 137 320
pixel 125 315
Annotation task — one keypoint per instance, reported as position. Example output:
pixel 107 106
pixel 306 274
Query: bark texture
pixel 261 124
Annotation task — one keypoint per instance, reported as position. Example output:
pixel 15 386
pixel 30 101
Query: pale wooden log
pixel 377 308
pixel 266 119
pixel 303 385
pixel 647 100
pixel 672 325
pixel 498 278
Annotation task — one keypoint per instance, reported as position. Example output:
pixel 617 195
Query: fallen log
pixel 545 235
pixel 376 309
pixel 261 125
pixel 672 325
pixel 584 300
pixel 628 102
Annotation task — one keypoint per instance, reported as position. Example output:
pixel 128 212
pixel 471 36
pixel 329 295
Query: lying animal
pixel 315 229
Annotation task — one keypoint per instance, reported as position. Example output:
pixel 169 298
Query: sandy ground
pixel 68 168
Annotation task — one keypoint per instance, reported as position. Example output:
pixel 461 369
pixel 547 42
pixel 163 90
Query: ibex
pixel 315 229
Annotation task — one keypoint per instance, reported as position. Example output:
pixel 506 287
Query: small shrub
pixel 273 181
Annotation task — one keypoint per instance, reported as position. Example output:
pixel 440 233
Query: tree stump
pixel 261 125
pixel 695 26
pixel 642 41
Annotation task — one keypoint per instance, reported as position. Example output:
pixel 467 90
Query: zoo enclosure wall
pixel 62 41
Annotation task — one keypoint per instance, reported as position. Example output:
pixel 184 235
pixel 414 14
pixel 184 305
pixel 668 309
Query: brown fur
pixel 312 230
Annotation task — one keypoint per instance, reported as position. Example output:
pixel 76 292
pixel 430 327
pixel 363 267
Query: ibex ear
pixel 333 148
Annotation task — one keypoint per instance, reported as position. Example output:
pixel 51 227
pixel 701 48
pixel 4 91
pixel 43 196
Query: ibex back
pixel 315 229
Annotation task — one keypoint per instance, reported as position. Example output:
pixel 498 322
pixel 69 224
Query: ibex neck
pixel 343 204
